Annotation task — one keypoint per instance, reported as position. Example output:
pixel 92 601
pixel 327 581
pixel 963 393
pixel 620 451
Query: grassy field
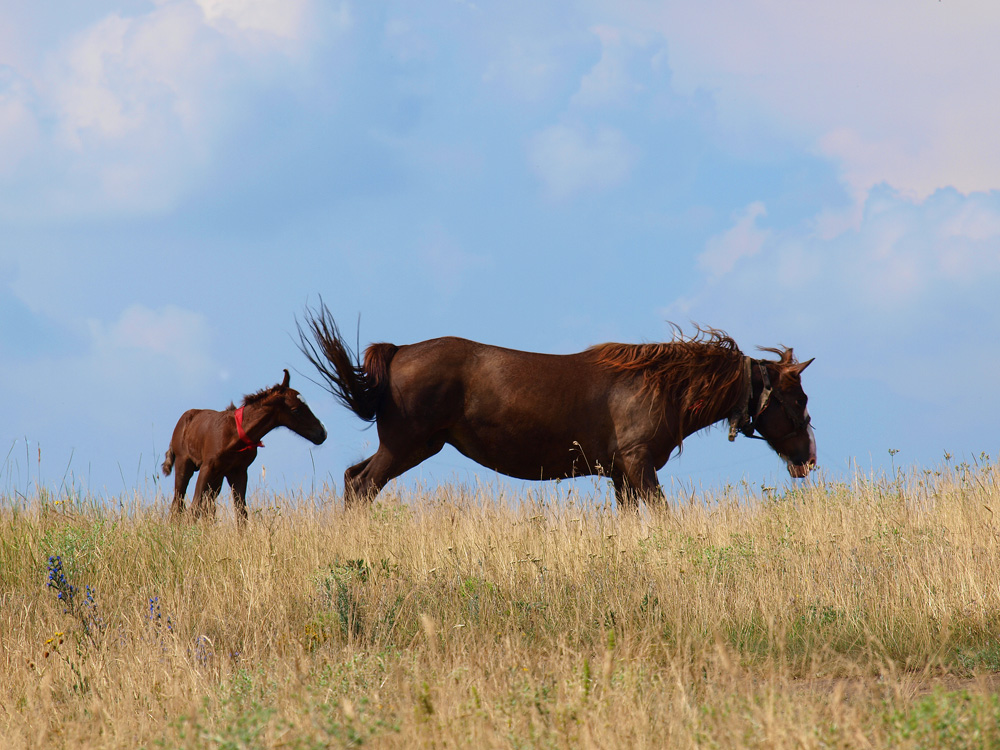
pixel 839 615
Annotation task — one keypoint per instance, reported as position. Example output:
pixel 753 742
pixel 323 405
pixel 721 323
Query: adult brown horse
pixel 222 445
pixel 615 409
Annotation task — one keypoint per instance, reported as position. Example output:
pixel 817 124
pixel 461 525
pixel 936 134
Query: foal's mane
pixel 704 368
pixel 252 398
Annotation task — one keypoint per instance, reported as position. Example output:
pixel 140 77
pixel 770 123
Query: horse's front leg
pixel 205 491
pixel 634 477
pixel 238 482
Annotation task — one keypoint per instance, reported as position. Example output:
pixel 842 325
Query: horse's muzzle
pixel 319 436
pixel 799 471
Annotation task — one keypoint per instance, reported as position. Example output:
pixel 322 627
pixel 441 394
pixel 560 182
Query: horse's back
pixel 191 416
pixel 452 361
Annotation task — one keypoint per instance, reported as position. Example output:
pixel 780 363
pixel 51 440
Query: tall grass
pixel 837 615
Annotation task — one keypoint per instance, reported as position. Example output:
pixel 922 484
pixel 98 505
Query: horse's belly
pixel 533 455
pixel 526 468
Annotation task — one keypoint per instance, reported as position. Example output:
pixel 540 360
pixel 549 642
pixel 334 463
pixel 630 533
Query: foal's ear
pixel 284 383
pixel 803 365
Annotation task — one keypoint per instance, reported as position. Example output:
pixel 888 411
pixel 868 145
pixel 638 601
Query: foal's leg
pixel 183 471
pixel 238 483
pixel 205 491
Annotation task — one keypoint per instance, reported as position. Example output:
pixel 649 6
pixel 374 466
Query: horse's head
pixel 780 413
pixel 293 413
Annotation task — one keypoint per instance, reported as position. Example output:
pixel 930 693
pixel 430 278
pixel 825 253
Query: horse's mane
pixel 700 371
pixel 257 396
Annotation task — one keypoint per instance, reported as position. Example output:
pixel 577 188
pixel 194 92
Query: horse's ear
pixel 284 383
pixel 803 365
pixel 787 357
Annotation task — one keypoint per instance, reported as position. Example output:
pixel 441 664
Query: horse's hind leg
pixel 365 480
pixel 184 470
pixel 355 485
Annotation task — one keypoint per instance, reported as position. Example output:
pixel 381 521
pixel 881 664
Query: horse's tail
pixel 357 386
pixel 168 463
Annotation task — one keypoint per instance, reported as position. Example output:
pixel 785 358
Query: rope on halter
pixel 248 443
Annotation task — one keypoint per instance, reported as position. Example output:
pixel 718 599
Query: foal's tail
pixel 168 463
pixel 357 386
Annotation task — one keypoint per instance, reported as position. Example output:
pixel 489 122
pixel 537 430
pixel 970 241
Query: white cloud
pixel 896 92
pixel 113 383
pixel 569 159
pixel 744 239
pixel 19 131
pixel 171 340
pixel 608 82
pixel 129 106
pixel 900 298
pixel 286 19
pixel 83 88
pixel 525 69
pixel 124 113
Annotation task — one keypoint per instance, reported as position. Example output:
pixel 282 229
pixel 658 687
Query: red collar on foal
pixel 242 433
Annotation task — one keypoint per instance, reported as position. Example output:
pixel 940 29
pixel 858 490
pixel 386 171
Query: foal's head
pixel 784 420
pixel 289 410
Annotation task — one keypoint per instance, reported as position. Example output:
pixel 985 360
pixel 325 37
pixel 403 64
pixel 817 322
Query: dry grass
pixel 837 616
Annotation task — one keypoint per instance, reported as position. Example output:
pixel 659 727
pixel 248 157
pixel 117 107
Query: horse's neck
pixel 704 412
pixel 738 398
pixel 258 420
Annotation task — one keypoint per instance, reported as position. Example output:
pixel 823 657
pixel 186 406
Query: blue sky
pixel 180 178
